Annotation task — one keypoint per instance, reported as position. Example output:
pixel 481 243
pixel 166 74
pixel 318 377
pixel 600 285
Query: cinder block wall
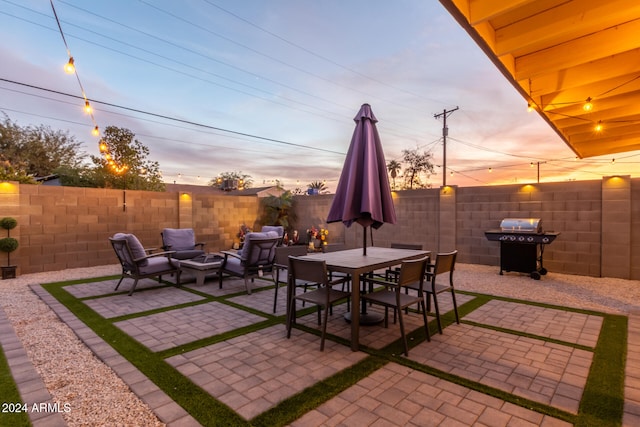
pixel 65 227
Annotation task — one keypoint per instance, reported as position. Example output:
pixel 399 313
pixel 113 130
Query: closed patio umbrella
pixel 363 194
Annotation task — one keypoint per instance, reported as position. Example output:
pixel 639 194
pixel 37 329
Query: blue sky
pixel 293 73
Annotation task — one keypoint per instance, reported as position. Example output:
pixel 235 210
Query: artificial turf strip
pixel 10 394
pixel 603 398
pixel 310 398
pixel 198 403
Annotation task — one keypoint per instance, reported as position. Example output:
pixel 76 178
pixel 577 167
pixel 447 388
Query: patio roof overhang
pixel 559 53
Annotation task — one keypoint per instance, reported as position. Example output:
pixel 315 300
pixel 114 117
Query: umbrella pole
pixel 364 241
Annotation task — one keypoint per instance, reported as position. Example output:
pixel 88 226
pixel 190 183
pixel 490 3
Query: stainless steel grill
pixel 522 243
pixel 521 225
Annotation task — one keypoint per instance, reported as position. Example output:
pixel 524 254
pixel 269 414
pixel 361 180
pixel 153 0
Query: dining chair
pixel 392 273
pixel 324 296
pixel 440 279
pixel 281 266
pixel 412 272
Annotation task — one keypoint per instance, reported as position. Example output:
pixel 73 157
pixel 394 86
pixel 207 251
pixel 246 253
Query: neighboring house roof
pixel 259 191
pixel 558 54
pixel 206 189
pixel 53 180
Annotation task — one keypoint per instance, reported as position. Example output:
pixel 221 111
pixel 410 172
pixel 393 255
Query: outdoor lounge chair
pixel 254 259
pixel 137 264
pixel 324 296
pixel 412 272
pixel 277 228
pixel 182 242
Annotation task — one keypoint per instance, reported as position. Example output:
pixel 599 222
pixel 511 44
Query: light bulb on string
pixel 95 131
pixel 530 107
pixel 69 67
pixel 87 107
pixel 588 105
pixel 598 127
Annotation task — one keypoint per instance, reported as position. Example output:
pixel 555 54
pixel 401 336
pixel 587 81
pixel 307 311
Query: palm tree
pixel 318 185
pixel 394 168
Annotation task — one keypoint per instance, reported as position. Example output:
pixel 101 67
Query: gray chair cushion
pixel 252 236
pixel 277 228
pixel 137 250
pixel 156 265
pixel 179 239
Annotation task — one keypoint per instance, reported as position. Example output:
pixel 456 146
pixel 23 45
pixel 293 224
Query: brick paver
pixel 632 374
pixel 548 373
pixel 396 395
pixel 576 328
pixel 172 328
pixel 254 372
pixel 120 305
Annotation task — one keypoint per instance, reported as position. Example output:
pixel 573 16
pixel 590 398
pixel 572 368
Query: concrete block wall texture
pixel 599 221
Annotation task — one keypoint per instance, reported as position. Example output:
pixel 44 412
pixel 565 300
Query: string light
pixel 530 107
pixel 490 170
pixel 588 105
pixel 69 67
pixel 598 127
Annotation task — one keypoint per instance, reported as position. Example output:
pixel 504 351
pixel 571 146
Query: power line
pixel 175 119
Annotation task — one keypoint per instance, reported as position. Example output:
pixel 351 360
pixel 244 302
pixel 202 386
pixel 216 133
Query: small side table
pixel 202 266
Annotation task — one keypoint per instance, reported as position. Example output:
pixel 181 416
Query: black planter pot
pixel 9 272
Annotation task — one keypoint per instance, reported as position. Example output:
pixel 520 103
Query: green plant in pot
pixel 8 244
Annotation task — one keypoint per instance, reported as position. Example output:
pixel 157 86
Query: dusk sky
pixel 271 88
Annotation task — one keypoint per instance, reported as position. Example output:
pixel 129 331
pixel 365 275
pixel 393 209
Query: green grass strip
pixel 602 402
pixel 197 402
pixel 10 395
pixel 310 398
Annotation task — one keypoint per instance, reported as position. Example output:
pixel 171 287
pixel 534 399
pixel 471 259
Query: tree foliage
pixel 128 165
pixel 418 168
pixel 244 180
pixel 394 167
pixel 35 151
pixel 318 185
pixel 278 210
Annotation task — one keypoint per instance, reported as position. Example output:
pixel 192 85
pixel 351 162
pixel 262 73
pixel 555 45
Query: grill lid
pixel 521 225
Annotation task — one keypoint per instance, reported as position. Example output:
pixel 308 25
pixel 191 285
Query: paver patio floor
pixel 535 353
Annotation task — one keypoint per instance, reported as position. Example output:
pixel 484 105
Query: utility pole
pixel 445 131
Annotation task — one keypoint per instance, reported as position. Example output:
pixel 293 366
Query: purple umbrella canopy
pixel 363 194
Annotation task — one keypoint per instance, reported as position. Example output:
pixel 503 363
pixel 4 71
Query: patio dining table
pixel 355 263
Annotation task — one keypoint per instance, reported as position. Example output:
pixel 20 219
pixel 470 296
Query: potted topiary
pixel 8 245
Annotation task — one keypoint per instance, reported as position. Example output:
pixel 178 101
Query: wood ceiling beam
pixel 612 41
pixel 626 63
pixel 482 10
pixel 560 24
